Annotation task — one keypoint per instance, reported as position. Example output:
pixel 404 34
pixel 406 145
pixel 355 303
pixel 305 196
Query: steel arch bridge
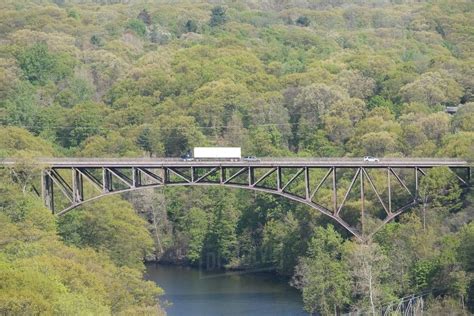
pixel 300 180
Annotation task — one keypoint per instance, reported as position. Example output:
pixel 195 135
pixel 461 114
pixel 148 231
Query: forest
pixel 279 78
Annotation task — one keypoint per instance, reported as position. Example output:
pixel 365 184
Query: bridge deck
pixel 263 162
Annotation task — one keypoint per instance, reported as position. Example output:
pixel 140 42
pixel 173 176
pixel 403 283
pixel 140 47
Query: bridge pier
pixel 47 190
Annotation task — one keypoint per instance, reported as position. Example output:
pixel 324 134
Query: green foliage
pixel 322 276
pixel 466 249
pixel 80 122
pixel 440 187
pixel 218 16
pixel 196 222
pixel 343 79
pixel 15 140
pixel 112 145
pixel 111 226
pixel 41 275
pixel 137 26
pixel 303 21
pixel 39 65
pixel 281 240
pixel 191 26
pixel 423 272
pixel 145 17
pixel 96 40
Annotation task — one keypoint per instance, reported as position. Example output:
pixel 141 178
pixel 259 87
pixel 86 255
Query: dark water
pixel 193 292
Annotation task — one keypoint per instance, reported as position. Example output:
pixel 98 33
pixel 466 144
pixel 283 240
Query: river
pixel 194 292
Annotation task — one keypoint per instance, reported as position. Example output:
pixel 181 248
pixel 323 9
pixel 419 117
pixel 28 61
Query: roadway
pixel 263 162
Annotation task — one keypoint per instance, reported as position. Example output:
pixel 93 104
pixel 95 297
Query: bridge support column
pixel 136 178
pixel 362 200
pixel 47 190
pixel 222 175
pixel 251 176
pixel 306 184
pixel 77 186
pixel 416 184
pixel 389 187
pixel 278 171
pixel 334 189
pixel 106 180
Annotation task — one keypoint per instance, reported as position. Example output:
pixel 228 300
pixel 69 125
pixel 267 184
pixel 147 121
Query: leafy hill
pixel 313 78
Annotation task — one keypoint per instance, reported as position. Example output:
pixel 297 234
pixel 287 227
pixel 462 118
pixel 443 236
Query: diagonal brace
pixel 213 170
pixel 320 184
pixel 292 179
pixel 376 192
pixel 264 176
pixel 348 191
pixel 235 175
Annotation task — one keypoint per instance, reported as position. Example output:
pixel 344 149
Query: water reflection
pixel 193 292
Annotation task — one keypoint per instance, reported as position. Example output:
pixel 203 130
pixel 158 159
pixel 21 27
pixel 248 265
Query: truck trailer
pixel 232 153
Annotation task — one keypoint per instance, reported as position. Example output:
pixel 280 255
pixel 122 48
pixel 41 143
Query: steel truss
pixel 108 180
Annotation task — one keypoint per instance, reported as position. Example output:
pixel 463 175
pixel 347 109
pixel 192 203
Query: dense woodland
pixel 279 78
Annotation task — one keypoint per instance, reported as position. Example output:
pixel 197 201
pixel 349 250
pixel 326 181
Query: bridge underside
pixel 361 199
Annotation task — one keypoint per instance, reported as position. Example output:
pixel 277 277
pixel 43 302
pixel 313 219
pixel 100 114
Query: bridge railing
pixel 87 159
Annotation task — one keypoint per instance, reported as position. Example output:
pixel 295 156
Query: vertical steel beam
pixel 334 190
pixel 278 170
pixel 251 176
pixel 416 183
pixel 389 190
pixel 306 184
pixel 362 199
pixel 106 180
pixel 166 176
pixel 136 177
pixel 221 175
pixel 77 186
pixel 47 191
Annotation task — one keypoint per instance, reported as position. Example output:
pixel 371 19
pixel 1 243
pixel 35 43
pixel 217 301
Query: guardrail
pixel 264 159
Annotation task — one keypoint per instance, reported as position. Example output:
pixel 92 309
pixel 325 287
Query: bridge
pixel 332 186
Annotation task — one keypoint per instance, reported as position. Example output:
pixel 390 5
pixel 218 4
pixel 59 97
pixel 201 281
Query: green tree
pixel 80 122
pixel 191 26
pixel 369 268
pixel 439 188
pixel 112 145
pixel 39 274
pixel 36 63
pixel 321 275
pixel 39 65
pixel 137 26
pixel 218 16
pixel 109 225
pixel 282 243
pixel 303 21
pixel 432 88
pixel 179 134
pixel 464 118
pixel 145 17
pixel 196 223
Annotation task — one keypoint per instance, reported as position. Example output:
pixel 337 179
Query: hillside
pixel 279 78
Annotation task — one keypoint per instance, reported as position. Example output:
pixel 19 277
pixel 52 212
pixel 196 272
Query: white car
pixel 251 158
pixel 371 159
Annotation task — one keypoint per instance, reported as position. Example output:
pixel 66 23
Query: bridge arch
pixel 115 176
pixel 294 198
pixel 131 178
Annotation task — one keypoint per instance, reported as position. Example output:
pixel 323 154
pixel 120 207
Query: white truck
pixel 232 153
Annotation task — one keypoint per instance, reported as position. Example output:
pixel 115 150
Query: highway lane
pixel 263 162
